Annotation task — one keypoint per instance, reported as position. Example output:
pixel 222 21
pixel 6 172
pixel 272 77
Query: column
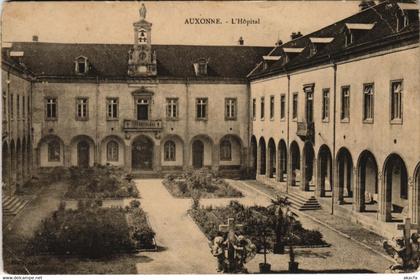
pixel 413 196
pixel 289 170
pixel 67 156
pixel 127 157
pixel 258 171
pixel 358 204
pixel 279 173
pixel 215 161
pixel 157 157
pixel 384 204
pixel 318 187
pixel 303 180
pixel 267 162
pixel 338 189
pixel 245 162
pixel 186 156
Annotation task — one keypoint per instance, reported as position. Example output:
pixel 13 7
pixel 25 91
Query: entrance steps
pixel 145 175
pixel 12 205
pixel 302 202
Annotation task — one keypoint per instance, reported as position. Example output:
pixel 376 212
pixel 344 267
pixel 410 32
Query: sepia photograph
pixel 210 138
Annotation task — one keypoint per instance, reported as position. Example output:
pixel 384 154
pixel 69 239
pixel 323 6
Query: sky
pixel 112 22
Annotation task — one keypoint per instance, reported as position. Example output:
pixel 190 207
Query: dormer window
pixel 408 12
pixel 81 65
pixel 200 67
pixel 268 60
pixel 355 30
pixel 317 43
pixel 291 53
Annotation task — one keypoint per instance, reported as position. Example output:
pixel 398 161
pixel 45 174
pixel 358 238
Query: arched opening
pixel 172 152
pixel 308 169
pixel 345 176
pixel 51 151
pixel 262 156
pixel 396 188
pixel 5 166
pixel 230 153
pixel 416 201
pixel 324 184
pixel 83 154
pixel 198 154
pixel 271 158
pixel 295 164
pixel 367 187
pixel 282 158
pixel 254 157
pixel 142 153
pixel 112 151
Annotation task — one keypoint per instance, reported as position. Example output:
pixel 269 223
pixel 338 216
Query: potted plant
pixel 293 265
pixel 265 267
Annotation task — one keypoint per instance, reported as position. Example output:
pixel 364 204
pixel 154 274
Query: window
pixel 171 108
pixel 295 106
pixel 271 107
pixel 230 108
pixel 51 108
pixel 82 108
pixel 325 104
pixel 54 151
pixel 201 105
pixel 345 103
pixel 348 38
pixel 18 106
pixel 200 67
pixel 262 108
pixel 282 107
pixel 254 108
pixel 402 20
pixel 112 108
pixel 225 150
pixel 368 102
pixel 169 151
pixel 309 106
pixel 396 101
pixel 112 150
pixel 81 65
pixel 4 96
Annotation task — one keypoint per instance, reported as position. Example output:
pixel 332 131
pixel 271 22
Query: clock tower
pixel 141 58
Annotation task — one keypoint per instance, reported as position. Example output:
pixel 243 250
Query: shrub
pixel 135 203
pixel 141 233
pixel 87 232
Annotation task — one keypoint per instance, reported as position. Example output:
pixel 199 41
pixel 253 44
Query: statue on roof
pixel 142 11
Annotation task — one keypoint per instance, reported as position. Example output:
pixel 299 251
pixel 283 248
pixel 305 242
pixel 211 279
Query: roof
pixel 376 26
pixel 111 60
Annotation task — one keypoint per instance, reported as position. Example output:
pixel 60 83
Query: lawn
pixel 199 183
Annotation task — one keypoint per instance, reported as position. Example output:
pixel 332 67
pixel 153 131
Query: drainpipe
pixel 334 139
pixel 288 128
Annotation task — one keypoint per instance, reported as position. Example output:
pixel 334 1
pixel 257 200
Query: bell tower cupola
pixel 141 58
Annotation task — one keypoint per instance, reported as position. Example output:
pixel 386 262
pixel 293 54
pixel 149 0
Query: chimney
pixel 35 38
pixel 278 43
pixel 295 35
pixel 241 41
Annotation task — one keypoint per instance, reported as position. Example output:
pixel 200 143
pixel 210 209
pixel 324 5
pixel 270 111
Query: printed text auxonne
pixel 244 21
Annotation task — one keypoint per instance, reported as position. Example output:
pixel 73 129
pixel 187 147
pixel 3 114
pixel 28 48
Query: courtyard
pixel 181 246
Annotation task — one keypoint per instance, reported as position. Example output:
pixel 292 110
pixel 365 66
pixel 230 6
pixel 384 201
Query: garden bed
pixel 100 182
pixel 199 183
pixel 92 231
pixel 209 218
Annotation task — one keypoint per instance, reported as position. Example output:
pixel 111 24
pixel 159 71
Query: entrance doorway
pixel 142 154
pixel 198 154
pixel 83 153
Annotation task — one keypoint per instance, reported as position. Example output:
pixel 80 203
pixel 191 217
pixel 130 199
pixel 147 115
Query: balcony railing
pixel 305 130
pixel 136 125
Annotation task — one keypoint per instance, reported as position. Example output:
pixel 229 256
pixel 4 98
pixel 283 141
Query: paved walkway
pixel 186 250
pixel 184 247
